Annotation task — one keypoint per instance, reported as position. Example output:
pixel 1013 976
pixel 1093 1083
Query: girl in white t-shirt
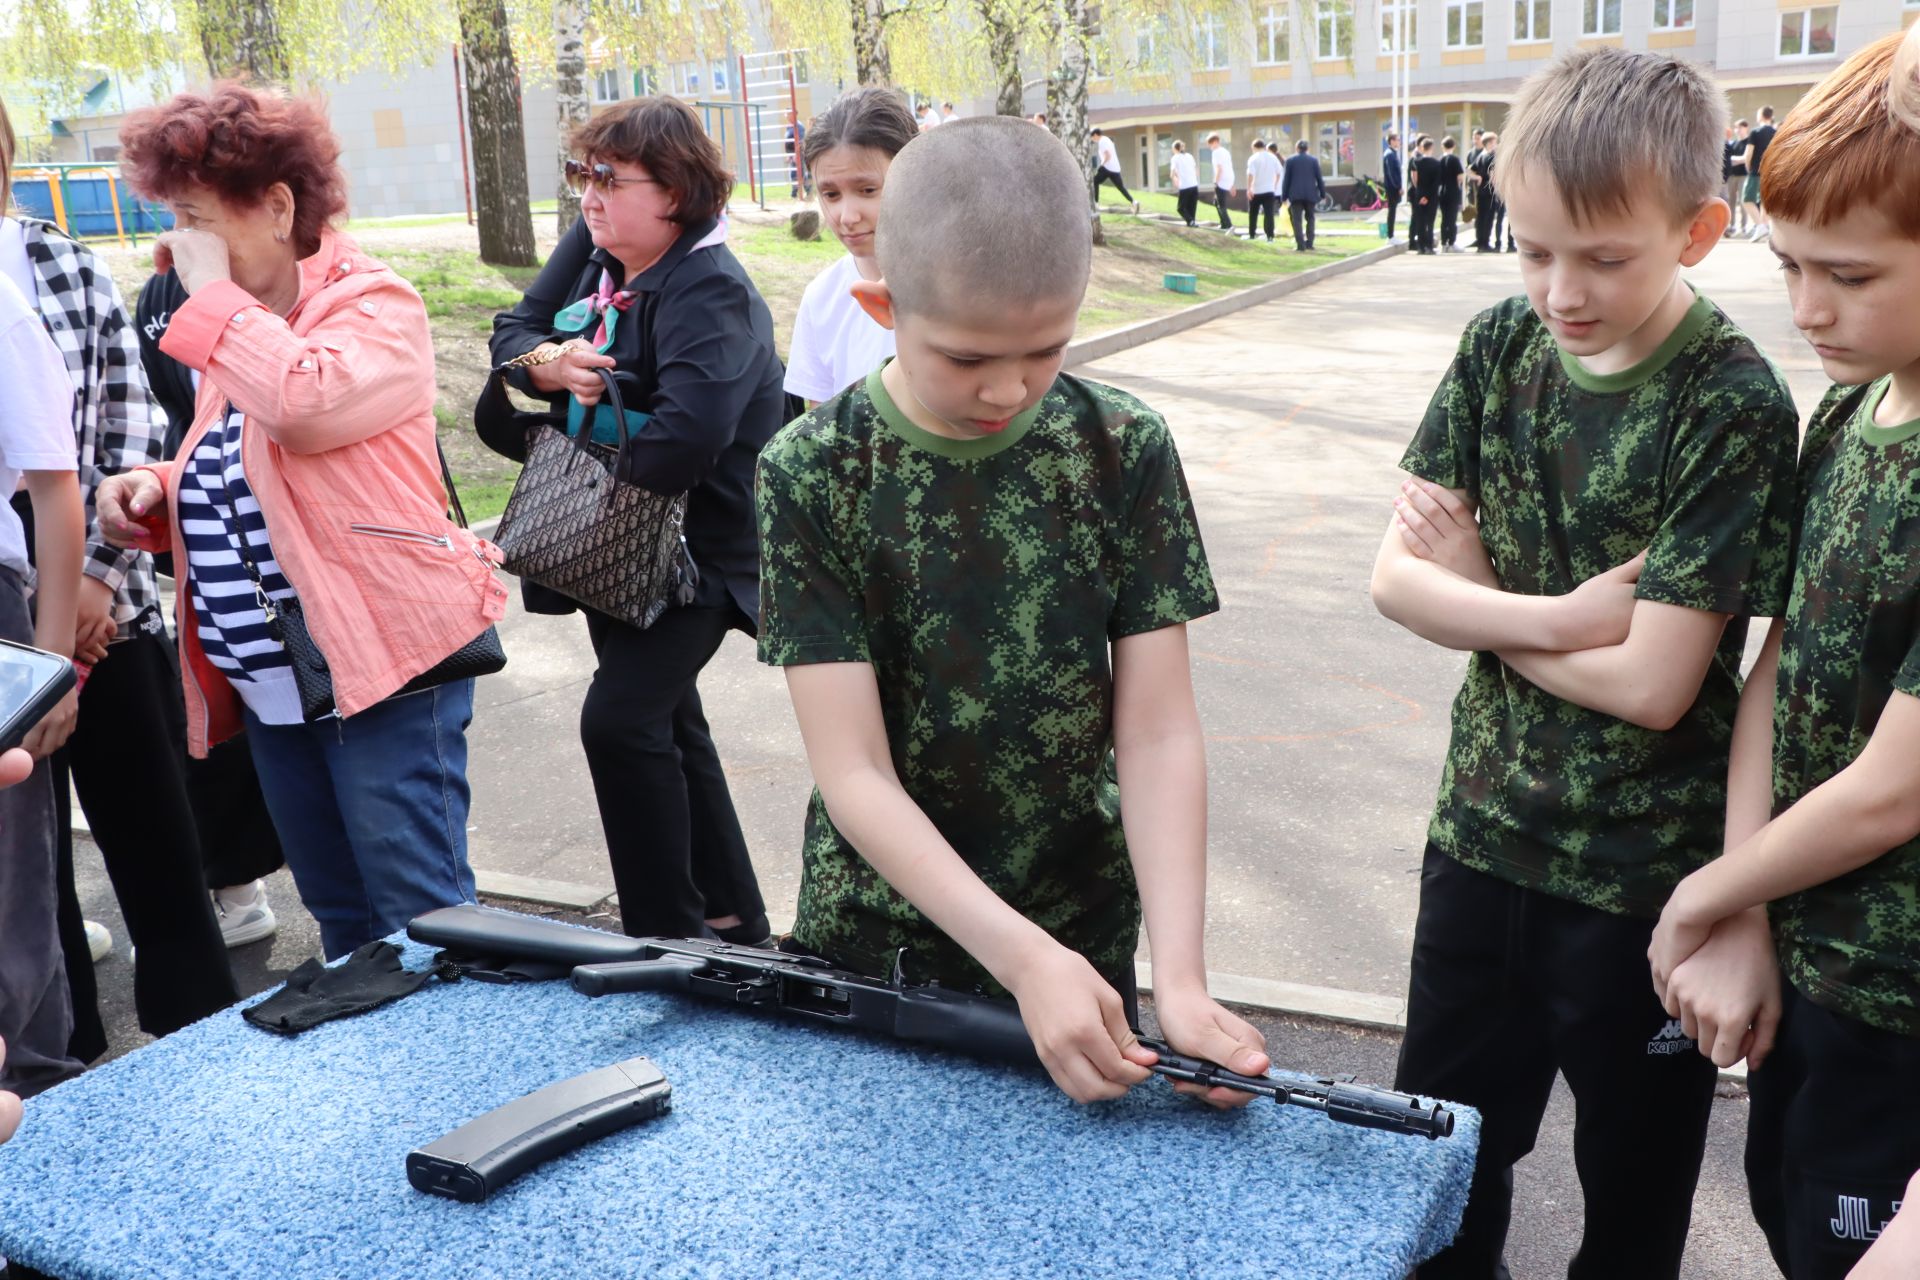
pixel 848 151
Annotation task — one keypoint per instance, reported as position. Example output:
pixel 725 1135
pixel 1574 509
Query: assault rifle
pixel 805 986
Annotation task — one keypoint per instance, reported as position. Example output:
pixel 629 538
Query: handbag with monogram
pixel 576 526
pixel 481 656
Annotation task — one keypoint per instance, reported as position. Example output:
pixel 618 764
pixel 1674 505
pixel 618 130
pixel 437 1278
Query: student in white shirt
pixel 848 150
pixel 1186 181
pixel 1107 169
pixel 1222 179
pixel 947 114
pixel 36 441
pixel 928 117
pixel 1263 186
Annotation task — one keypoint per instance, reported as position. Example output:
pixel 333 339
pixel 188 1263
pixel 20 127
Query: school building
pixel 1318 70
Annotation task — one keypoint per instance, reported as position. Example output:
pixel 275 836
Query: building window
pixel 1673 15
pixel 1336 148
pixel 719 77
pixel 1600 17
pixel 1465 24
pixel 1274 44
pixel 606 86
pixel 1533 20
pixel 1333 35
pixel 1150 45
pixel 1808 33
pixel 1210 43
pixel 1390 11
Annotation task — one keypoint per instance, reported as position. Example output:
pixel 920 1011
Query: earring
pixel 279 237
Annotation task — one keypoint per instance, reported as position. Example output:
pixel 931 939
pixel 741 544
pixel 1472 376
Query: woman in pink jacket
pixel 310 473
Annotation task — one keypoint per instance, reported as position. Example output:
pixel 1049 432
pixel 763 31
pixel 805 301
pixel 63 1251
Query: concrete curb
pixel 1133 335
pixel 1268 995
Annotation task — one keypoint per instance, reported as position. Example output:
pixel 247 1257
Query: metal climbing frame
pixel 768 83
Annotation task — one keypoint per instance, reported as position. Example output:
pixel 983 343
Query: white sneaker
pixel 244 914
pixel 99 941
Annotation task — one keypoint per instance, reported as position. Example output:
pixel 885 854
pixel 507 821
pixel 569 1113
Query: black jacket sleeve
pixel 170 381
pixel 530 323
pixel 708 366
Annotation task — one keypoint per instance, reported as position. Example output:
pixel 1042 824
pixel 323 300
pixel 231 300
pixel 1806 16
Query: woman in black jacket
pixel 671 309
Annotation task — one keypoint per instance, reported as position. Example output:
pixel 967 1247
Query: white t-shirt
pixel 1263 174
pixel 36 430
pixel 14 262
pixel 1222 168
pixel 1109 156
pixel 1186 173
pixel 949 117
pixel 835 343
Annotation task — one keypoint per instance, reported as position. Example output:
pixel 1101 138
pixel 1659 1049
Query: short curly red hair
pixel 237 142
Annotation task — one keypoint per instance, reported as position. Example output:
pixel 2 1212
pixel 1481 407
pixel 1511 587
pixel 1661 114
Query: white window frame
pixel 606 85
pixel 1275 28
pixel 1388 8
pixel 1596 10
pixel 1526 30
pixel 1806 33
pixel 1672 8
pixel 1463 10
pixel 1326 32
pixel 1210 43
pixel 1150 46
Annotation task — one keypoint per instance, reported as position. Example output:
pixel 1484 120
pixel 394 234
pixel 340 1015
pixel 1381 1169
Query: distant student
pixel 1754 156
pixel 1427 173
pixel 1106 168
pixel 977 575
pixel 1451 175
pixel 1823 793
pixel 1222 161
pixel 1303 188
pixel 1603 482
pixel 848 151
pixel 1186 182
pixel 947 114
pixel 1735 167
pixel 927 116
pixel 1263 187
pixel 1392 180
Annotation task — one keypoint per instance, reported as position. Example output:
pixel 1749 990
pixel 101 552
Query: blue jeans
pixel 372 811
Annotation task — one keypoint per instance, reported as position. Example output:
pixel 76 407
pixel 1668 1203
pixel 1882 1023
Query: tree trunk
pixel 1067 87
pixel 499 136
pixel 569 94
pixel 872 63
pixel 1003 56
pixel 241 41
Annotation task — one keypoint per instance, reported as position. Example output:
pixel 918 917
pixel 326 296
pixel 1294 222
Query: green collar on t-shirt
pixel 1871 431
pixel 945 446
pixel 1627 379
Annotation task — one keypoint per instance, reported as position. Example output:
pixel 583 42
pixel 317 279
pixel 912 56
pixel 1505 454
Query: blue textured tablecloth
pixel 791 1152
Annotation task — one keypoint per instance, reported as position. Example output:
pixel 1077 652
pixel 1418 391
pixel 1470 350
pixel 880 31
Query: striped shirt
pixel 214 497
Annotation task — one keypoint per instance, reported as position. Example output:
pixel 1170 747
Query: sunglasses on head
pixel 580 175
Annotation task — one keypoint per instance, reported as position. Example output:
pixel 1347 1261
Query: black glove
pixel 314 993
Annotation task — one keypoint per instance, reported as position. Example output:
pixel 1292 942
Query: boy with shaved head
pixel 977 571
pixel 1601 495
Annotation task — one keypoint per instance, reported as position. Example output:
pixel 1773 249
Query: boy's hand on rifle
pixel 1193 1023
pixel 1727 994
pixel 1437 526
pixel 1079 1026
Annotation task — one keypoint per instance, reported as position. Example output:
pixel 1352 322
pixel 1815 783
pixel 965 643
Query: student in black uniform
pixel 1451 173
pixel 1428 174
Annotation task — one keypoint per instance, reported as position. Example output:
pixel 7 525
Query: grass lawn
pixel 463 294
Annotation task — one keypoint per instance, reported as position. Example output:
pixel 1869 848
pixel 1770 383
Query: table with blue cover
pixel 791 1151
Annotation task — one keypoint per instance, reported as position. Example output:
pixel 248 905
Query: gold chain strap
pixel 542 354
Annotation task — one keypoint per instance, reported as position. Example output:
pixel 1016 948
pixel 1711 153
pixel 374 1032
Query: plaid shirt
pixel 114 421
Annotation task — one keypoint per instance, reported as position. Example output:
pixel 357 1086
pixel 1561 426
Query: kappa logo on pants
pixel 1670 1039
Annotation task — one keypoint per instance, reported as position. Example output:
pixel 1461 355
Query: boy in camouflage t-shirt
pixel 1628 455
pixel 1834 1127
pixel 977 572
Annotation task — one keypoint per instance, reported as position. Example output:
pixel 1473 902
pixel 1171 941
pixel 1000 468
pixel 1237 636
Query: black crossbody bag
pixel 481 656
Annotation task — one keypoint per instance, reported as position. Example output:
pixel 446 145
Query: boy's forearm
pixel 1750 762
pixel 887 828
pixel 1163 782
pixel 1650 680
pixel 60 540
pixel 1446 609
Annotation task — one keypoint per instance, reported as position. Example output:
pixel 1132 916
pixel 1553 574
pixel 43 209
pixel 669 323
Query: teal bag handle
pixel 606 428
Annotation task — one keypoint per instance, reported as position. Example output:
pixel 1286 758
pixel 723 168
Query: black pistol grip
pixel 974 1025
pixel 663 973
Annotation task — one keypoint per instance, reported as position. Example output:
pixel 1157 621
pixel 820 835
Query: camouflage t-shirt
pixel 1688 455
pixel 985 581
pixel 1852 638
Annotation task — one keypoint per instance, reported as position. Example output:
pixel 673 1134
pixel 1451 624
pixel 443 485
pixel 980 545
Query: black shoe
pixel 748 933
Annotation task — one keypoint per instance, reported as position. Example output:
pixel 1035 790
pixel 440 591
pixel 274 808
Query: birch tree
pixel 569 95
